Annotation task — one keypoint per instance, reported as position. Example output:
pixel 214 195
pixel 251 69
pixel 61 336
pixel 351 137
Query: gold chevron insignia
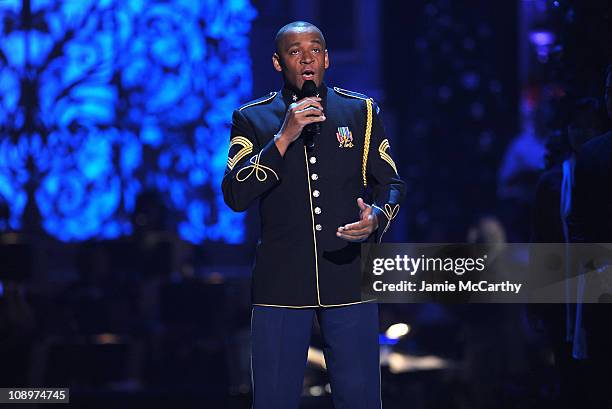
pixel 247 148
pixel 382 149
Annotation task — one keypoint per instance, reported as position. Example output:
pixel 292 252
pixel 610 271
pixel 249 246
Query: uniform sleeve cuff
pixel 271 157
pixel 267 166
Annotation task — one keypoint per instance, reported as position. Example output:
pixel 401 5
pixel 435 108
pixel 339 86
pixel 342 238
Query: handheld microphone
pixel 309 89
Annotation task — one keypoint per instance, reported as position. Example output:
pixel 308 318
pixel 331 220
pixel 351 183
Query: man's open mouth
pixel 308 74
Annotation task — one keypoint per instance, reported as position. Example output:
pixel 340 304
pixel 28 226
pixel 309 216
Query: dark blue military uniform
pixel 305 196
pixel 302 268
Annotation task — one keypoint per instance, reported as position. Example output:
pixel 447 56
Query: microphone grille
pixel 309 88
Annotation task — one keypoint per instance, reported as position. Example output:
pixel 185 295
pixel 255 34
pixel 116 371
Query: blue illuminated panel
pixel 102 99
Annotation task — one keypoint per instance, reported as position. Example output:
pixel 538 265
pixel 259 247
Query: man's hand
pixel 359 231
pixel 301 113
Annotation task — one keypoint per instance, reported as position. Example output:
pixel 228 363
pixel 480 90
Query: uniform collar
pixel 290 94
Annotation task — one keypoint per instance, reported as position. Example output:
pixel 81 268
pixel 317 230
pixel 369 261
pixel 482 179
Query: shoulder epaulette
pixel 259 101
pixel 351 94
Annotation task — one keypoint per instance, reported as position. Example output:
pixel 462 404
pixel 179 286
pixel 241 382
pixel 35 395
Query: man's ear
pixel 326 59
pixel 276 61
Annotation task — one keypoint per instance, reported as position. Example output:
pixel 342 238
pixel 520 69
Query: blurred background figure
pixel 554 190
pixel 523 161
pixel 552 208
pixel 590 221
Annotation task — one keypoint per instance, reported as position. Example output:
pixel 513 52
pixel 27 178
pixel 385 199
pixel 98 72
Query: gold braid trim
pixel 258 169
pixel 366 143
pixel 390 213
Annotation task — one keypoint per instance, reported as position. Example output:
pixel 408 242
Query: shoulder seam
pixel 348 94
pixel 272 95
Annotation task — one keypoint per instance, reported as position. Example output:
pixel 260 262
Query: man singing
pixel 318 161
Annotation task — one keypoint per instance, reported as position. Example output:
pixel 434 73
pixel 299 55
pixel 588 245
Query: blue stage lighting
pixel 103 99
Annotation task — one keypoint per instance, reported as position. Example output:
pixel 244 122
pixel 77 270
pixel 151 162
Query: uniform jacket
pixel 307 194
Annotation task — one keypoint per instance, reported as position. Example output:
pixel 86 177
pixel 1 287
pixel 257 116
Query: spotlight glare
pixel 397 331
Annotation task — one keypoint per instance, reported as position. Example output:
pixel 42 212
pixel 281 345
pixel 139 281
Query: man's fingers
pixel 356 229
pixel 307 102
pixel 310 115
pixel 352 236
pixel 310 111
pixel 353 240
pixel 353 226
pixel 365 210
pixel 366 214
pixel 316 118
pixel 312 99
pixel 347 237
pixel 311 118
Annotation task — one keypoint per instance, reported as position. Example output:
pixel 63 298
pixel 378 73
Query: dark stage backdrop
pixel 451 76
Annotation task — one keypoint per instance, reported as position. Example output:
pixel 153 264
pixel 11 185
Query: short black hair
pixel 291 26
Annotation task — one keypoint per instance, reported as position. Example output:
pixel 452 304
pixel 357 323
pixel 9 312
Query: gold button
pixel 313 160
pixel 317 210
pixel 316 193
pixel 314 176
pixel 318 227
